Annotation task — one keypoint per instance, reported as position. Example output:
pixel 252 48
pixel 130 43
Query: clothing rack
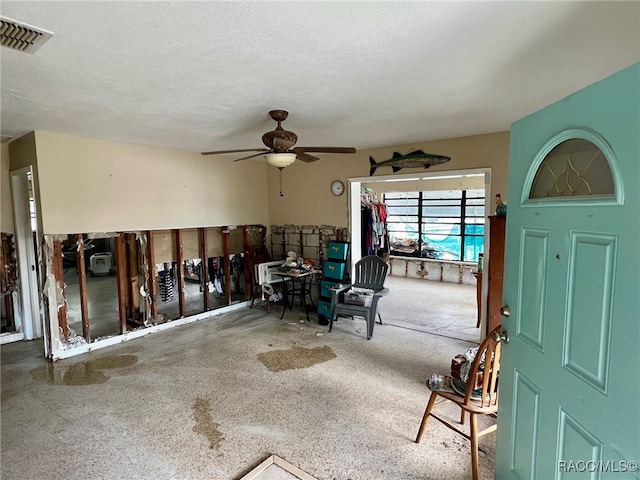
pixel 375 237
pixel 366 198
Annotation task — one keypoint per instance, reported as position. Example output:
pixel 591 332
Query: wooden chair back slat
pixel 489 349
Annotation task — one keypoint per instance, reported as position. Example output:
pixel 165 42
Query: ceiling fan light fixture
pixel 280 160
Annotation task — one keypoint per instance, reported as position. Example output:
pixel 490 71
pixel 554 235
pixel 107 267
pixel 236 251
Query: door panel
pixel 575 441
pixel 535 247
pixel 526 419
pixel 588 322
pixel 569 376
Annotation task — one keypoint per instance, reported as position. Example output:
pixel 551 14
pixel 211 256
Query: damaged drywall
pixel 137 256
pixel 53 293
pixel 148 271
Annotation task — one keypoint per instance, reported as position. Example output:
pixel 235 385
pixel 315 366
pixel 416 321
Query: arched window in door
pixel 574 165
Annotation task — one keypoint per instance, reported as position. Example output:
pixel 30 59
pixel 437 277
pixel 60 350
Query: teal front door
pixel 570 374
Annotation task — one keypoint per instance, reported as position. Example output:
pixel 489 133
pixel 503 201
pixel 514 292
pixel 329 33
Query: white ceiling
pixel 203 75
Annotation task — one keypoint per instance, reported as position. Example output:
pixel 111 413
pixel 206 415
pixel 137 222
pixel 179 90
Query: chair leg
pixel 308 292
pixel 423 425
pixel 331 315
pixel 256 292
pixel 474 445
pixel 462 416
pixel 371 321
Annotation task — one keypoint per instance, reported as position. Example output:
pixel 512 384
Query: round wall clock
pixel 337 188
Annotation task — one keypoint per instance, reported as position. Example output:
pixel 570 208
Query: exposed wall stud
pixel 204 267
pixel 121 278
pixel 320 249
pixel 227 264
pixel 133 286
pixel 180 266
pixel 82 285
pixel 301 242
pixel 247 261
pixel 152 287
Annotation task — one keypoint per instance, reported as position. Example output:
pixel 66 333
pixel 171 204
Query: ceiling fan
pixel 281 151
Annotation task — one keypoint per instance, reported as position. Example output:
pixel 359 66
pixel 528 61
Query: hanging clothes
pixel 236 264
pixel 216 274
pixel 373 216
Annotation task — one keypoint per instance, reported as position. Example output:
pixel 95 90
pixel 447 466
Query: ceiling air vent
pixel 22 37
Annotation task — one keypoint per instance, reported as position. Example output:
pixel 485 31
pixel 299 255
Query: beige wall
pixel 92 185
pixel 6 212
pixel 435 184
pixel 308 201
pixel 23 151
pixel 22 154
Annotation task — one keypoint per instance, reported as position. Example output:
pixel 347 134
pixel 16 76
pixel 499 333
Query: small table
pixel 290 291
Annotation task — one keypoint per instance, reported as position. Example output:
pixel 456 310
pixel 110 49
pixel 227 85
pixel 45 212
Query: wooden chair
pixel 481 401
pixel 370 272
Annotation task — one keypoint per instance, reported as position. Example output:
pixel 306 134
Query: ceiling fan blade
pixel 236 151
pixel 253 156
pixel 328 149
pixel 305 157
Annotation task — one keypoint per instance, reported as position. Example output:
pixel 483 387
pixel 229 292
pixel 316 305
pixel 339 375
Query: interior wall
pixel 6 212
pixel 433 184
pixel 94 185
pixel 23 152
pixel 307 197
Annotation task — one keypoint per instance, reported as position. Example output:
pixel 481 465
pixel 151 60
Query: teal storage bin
pixel 324 308
pixel 333 270
pixel 326 286
pixel 337 250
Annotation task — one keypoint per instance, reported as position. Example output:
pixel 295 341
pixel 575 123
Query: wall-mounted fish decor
pixel 414 159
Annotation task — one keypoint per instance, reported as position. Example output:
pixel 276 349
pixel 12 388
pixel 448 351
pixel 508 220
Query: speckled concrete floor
pixel 195 402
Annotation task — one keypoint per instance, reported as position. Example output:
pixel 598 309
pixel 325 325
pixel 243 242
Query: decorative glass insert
pixel 573 168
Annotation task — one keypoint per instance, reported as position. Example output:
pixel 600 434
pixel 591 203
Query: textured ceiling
pixel 203 75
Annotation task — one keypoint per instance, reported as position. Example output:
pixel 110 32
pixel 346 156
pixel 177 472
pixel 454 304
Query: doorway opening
pixel 420 275
pixel 22 307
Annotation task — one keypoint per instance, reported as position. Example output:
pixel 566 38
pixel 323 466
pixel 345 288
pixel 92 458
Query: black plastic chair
pixel 371 272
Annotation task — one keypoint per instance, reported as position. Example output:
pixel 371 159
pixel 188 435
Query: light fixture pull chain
pixel 280 173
